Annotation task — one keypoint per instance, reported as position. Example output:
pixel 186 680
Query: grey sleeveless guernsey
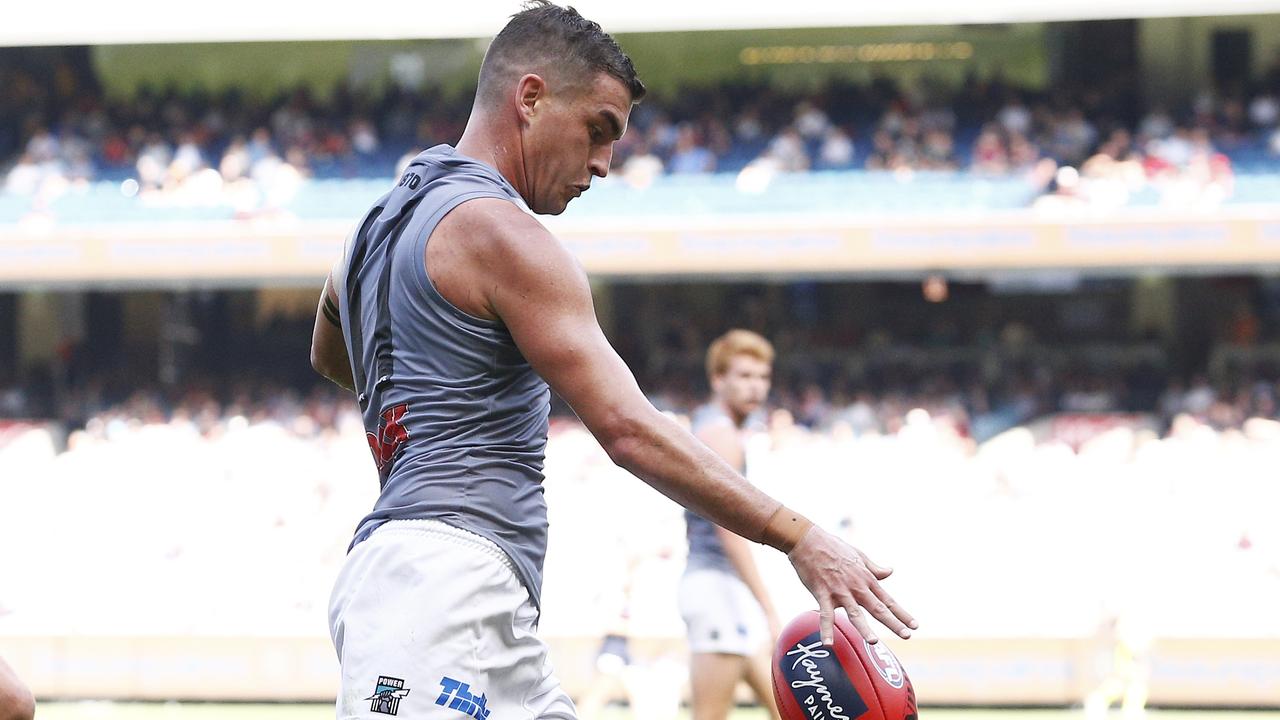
pixel 454 415
pixel 706 552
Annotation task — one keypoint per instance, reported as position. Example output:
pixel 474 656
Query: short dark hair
pixel 550 38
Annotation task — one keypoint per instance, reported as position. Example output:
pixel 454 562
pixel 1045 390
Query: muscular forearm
pixel 340 376
pixel 330 360
pixel 657 450
pixel 328 350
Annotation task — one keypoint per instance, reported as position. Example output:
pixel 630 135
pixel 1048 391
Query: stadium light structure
pixel 82 22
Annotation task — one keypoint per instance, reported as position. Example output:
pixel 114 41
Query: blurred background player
pixel 16 701
pixel 649 679
pixel 723 601
pixel 613 658
pixel 1123 662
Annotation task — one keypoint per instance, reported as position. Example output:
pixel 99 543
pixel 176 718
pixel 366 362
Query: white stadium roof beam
pixel 85 22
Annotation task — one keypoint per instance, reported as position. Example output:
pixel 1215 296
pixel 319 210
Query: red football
pixel 850 680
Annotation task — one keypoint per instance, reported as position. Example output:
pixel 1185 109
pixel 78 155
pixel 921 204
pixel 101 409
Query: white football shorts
pixel 431 621
pixel 721 614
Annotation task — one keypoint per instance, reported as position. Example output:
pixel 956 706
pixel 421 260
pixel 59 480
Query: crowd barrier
pixel 952 671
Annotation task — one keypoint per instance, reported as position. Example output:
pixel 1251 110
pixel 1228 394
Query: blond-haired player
pixel 725 605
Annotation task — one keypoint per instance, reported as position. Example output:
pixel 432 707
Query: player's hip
pixel 716 592
pixel 435 618
pixel 411 551
pixel 721 614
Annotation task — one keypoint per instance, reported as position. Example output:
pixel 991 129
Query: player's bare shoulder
pixel 489 247
pixel 476 245
pixel 724 438
pixel 718 430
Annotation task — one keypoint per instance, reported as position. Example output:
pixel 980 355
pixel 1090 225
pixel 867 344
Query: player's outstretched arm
pixel 541 294
pixel 328 350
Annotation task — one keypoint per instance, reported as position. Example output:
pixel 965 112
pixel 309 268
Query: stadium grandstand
pixel 1021 267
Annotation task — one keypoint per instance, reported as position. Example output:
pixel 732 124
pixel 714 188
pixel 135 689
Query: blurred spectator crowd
pixel 881 401
pixel 1082 146
pixel 239 517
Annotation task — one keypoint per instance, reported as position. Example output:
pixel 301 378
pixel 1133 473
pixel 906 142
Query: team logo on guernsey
pixel 388 442
pixel 386 696
pixel 457 695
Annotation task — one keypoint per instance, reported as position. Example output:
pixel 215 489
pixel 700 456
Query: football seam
pixel 863 667
pixel 773 685
pixel 777 694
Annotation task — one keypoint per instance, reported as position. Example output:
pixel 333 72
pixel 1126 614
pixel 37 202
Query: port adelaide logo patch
pixel 387 695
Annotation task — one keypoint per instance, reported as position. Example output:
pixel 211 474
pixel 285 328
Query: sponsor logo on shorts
pixel 457 695
pixel 818 683
pixel 882 657
pixel 386 696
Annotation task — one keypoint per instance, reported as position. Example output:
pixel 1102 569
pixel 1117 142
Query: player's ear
pixel 530 92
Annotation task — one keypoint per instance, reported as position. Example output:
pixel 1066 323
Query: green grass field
pixel 97 710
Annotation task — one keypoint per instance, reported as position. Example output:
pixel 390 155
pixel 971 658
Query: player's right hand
pixel 842 576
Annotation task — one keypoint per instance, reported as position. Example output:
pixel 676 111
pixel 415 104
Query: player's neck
pixel 490 145
pixel 739 421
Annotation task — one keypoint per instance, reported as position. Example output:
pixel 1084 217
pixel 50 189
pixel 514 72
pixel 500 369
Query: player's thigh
pixel 712 679
pixel 433 623
pixel 758 675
